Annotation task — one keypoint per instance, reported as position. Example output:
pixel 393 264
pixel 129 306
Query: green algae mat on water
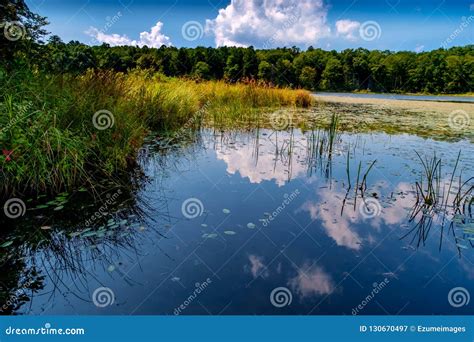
pixel 452 126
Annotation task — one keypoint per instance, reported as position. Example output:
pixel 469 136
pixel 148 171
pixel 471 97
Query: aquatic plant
pixel 362 187
pixel 436 202
pixel 66 131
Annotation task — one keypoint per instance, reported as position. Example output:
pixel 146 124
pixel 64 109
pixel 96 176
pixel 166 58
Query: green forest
pixel 438 71
pixel 51 92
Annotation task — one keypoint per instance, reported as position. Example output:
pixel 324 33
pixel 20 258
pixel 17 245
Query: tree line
pixel 438 71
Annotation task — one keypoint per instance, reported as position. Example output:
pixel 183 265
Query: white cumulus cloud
pixel 312 281
pixel 270 23
pixel 347 29
pixel 154 38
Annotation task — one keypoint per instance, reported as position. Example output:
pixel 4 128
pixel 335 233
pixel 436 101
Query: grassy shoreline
pixel 59 133
pixel 63 132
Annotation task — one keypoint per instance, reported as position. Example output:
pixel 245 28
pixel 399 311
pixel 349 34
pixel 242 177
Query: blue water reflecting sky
pixel 270 219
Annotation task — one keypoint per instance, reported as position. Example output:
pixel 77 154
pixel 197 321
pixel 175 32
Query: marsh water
pixel 251 222
pixel 388 96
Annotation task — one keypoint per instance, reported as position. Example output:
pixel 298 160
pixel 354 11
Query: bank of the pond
pixel 437 120
pixel 421 94
pixel 60 132
pixel 439 107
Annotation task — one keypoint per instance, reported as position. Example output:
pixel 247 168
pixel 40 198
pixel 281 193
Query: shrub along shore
pixel 63 132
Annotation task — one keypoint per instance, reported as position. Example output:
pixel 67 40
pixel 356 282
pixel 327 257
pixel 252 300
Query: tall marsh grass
pixel 50 144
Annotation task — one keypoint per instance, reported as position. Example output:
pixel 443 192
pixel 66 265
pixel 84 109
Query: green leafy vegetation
pixel 51 92
pixel 54 143
pixel 71 117
pixel 438 71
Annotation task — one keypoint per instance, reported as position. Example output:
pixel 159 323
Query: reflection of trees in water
pixel 18 284
pixel 63 258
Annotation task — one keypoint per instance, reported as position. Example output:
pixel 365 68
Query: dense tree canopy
pixel 21 30
pixel 437 71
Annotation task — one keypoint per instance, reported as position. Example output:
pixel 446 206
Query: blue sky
pixel 417 25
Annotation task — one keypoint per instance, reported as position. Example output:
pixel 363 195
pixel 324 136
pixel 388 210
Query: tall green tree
pixel 307 77
pixel 20 30
pixel 234 67
pixel 333 77
pixel 250 63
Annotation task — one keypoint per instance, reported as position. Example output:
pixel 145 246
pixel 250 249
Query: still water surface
pixel 442 98
pixel 227 217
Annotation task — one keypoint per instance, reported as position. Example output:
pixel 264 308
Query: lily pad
pixel 230 232
pixel 226 211
pixel 89 234
pixel 6 244
pixel 251 225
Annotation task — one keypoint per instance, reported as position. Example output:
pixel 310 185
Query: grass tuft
pixel 50 143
